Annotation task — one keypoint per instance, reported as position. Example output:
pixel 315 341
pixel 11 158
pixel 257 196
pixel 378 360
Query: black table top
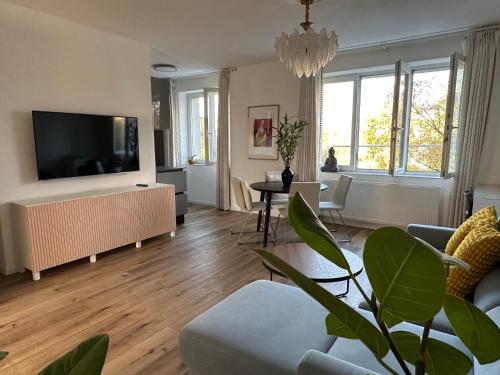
pixel 275 186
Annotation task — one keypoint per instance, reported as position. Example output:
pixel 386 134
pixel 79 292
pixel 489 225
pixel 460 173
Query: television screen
pixel 73 145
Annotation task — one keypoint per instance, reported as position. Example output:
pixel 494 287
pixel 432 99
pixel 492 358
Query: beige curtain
pixel 307 157
pixel 174 139
pixel 223 176
pixel 481 49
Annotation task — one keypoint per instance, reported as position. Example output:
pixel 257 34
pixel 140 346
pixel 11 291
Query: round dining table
pixel 267 189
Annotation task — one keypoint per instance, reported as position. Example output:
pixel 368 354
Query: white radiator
pixel 389 204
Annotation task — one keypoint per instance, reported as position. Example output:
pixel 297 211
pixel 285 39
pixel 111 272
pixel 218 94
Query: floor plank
pixel 140 297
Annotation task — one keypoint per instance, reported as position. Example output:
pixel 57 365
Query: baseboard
pixel 203 203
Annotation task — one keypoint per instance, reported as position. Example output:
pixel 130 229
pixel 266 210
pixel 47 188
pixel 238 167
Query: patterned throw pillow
pixel 481 250
pixel 486 214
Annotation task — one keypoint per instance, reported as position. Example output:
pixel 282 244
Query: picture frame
pixel 262 123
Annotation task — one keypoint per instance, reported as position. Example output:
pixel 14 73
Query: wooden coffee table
pixel 313 265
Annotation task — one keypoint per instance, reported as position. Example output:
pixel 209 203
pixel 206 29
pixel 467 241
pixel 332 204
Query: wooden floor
pixel 140 297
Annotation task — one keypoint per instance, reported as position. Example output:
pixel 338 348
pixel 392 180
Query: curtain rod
pixel 487 27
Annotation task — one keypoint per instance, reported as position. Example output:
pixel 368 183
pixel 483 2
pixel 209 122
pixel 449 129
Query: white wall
pixel 47 63
pixel 201 179
pixel 260 84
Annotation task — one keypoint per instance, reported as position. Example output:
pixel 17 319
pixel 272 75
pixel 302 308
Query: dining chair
pixel 278 199
pixel 339 198
pixel 309 191
pixel 243 197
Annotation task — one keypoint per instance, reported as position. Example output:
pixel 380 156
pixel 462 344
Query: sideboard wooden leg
pixel 93 258
pixel 172 234
pixel 35 275
pixel 138 244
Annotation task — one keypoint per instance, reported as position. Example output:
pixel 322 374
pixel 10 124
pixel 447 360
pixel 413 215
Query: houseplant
pixel 287 140
pixel 87 358
pixel 394 260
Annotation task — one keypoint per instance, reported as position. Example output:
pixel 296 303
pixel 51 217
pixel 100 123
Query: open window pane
pixel 197 126
pixel 337 121
pixel 399 115
pixel 427 124
pixel 375 122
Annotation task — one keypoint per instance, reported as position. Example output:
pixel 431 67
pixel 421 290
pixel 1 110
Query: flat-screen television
pixel 74 145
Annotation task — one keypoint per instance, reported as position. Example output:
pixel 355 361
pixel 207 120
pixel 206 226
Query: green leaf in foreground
pixel 440 358
pixel 355 323
pixel 408 279
pixel 86 359
pixel 313 232
pixel 477 331
pixel 3 355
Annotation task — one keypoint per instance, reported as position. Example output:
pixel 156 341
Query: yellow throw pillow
pixel 481 250
pixel 486 214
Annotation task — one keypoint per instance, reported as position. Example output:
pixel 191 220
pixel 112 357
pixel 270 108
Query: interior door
pixel 399 115
pixel 454 115
pixel 211 99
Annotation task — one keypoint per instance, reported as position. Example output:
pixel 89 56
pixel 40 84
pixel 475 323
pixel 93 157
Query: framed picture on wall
pixel 262 123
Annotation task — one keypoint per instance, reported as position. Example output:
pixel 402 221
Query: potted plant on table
pixel 287 140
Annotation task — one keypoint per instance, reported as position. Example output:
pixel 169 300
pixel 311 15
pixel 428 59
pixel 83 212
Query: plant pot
pixel 287 176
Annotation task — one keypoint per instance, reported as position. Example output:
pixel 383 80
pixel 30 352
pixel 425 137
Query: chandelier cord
pixel 306 25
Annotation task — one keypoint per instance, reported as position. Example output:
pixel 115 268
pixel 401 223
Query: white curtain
pixel 309 110
pixel 481 49
pixel 175 139
pixel 223 176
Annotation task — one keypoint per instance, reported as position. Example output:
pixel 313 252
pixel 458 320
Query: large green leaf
pixel 313 232
pixel 355 323
pixel 440 358
pixel 408 279
pixel 86 359
pixel 3 355
pixel 477 331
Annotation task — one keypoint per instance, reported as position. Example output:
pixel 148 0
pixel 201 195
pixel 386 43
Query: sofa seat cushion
pixel 355 352
pixel 263 328
pixel 487 292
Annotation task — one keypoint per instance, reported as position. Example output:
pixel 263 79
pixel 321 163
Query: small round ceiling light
pixel 164 68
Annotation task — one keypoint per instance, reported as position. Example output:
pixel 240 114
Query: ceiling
pixel 205 35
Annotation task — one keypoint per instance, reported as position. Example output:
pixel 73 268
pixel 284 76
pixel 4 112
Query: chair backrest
pixel 273 176
pixel 238 192
pixel 310 192
pixel 247 194
pixel 342 190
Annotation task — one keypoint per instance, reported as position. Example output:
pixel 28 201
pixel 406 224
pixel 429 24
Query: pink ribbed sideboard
pixel 56 230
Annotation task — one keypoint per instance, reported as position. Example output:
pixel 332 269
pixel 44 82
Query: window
pixel 401 121
pixel 201 123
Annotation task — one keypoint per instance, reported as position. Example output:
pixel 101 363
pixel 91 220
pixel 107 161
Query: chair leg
pixel 243 228
pixel 238 219
pixel 347 230
pixel 333 221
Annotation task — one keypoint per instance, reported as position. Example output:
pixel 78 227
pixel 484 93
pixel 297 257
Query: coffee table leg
pixel 268 214
pixel 345 293
pixel 259 218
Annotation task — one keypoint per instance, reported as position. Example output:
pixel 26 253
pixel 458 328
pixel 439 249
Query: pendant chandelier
pixel 305 53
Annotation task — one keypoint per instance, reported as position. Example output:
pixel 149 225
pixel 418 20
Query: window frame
pixel 356 78
pixel 196 94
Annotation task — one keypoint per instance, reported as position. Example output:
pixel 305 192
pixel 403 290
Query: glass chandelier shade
pixel 305 53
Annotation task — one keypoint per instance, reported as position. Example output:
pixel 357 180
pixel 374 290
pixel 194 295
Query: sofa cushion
pixel 490 368
pixel 263 328
pixel 355 352
pixel 318 363
pixel 481 250
pixel 487 292
pixel 485 215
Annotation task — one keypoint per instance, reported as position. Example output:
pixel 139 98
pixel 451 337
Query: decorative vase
pixel 287 176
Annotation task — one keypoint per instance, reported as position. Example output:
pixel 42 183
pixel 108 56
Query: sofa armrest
pixel 318 363
pixel 435 236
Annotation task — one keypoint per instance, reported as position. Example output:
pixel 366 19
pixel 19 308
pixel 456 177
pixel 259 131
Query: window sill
pixel 383 177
